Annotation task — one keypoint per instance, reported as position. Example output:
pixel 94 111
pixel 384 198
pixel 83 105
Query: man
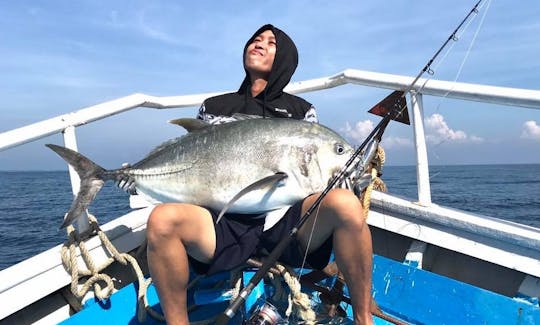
pixel 180 233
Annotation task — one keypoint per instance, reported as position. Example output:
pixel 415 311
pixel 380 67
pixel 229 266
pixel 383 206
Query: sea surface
pixel 32 204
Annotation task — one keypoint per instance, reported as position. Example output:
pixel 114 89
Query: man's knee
pixel 184 222
pixel 345 205
pixel 342 199
pixel 164 220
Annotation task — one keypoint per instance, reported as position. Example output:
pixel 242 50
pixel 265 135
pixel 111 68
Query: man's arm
pixel 311 115
pixel 211 118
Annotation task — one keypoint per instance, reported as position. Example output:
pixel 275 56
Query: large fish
pixel 249 166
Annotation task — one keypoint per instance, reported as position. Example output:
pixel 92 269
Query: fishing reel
pixel 265 314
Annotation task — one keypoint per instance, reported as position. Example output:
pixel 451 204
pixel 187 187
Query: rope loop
pixel 94 273
pixel 376 182
pixel 299 303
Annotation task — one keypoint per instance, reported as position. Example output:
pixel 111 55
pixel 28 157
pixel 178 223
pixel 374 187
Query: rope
pixel 71 263
pixel 376 182
pixel 299 302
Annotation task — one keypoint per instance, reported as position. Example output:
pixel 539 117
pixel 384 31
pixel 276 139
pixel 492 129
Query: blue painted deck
pixel 402 291
pixel 423 297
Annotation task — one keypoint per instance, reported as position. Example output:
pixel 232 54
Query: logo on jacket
pixel 282 110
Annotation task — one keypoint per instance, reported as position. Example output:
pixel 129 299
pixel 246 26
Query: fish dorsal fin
pixel 267 182
pixel 190 124
pixel 241 116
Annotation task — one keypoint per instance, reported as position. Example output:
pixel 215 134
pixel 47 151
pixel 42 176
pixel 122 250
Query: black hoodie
pixel 272 101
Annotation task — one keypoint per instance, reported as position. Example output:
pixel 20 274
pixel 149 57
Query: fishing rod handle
pixel 229 313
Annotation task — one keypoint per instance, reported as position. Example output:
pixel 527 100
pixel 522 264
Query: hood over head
pixel 272 102
pixel 285 63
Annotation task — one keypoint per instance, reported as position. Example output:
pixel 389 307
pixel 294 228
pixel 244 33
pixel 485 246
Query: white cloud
pixel 152 29
pixel 438 131
pixel 396 142
pixel 476 139
pixel 360 131
pixel 531 130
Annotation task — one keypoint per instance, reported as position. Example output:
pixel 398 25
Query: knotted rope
pixel 299 302
pixel 94 272
pixel 376 183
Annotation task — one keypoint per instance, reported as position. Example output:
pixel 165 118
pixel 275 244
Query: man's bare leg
pixel 341 214
pixel 173 230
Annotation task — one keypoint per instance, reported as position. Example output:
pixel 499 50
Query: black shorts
pixel 239 237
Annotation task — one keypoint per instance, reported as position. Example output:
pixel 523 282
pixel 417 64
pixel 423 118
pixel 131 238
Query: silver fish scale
pixel 209 166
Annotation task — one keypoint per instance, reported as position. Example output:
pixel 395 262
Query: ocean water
pixel 32 204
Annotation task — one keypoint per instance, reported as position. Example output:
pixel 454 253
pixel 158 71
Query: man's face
pixel 260 54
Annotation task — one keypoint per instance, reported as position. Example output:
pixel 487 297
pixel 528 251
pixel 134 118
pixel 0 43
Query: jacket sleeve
pixel 311 115
pixel 211 118
pixel 201 114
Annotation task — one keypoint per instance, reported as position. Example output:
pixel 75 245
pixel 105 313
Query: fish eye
pixel 339 148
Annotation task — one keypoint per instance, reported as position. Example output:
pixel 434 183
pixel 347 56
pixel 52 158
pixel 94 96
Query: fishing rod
pixel 397 112
pixel 271 259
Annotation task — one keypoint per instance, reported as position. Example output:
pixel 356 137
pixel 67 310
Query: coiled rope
pixel 299 303
pixel 94 272
pixel 376 182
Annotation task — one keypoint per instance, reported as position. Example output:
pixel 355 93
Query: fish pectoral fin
pixel 190 124
pixel 267 182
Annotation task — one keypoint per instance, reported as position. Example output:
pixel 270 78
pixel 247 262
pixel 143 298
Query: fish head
pixel 319 154
pixel 332 155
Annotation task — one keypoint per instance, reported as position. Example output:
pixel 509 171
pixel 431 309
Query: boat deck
pixel 401 291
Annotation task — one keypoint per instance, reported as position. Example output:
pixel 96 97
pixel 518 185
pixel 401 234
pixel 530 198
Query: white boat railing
pixel 457 90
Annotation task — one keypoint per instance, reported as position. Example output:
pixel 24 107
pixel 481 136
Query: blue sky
pixel 61 56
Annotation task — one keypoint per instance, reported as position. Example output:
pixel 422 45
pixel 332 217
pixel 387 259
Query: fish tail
pixel 92 179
